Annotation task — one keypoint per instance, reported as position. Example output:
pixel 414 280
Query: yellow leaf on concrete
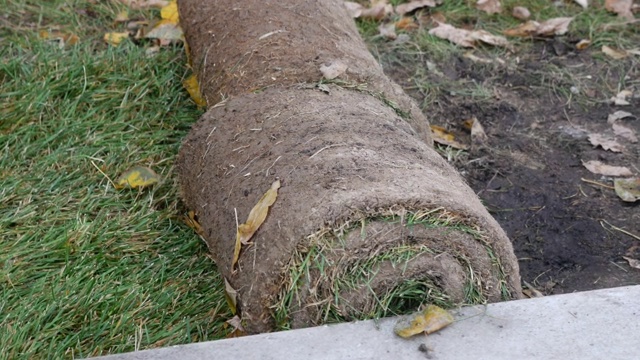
pixel 170 12
pixel 256 217
pixel 192 86
pixel 430 320
pixel 115 38
pixel 137 176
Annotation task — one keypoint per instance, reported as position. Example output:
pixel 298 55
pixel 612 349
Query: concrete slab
pixel 601 324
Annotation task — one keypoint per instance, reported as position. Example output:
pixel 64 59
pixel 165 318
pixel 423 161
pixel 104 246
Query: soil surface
pixel 538 107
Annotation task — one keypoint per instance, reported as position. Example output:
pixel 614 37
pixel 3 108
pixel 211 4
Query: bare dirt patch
pixel 538 110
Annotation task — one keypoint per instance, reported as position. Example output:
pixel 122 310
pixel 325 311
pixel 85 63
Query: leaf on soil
pixel 583 44
pixel 406 8
pixel 489 6
pixel 231 295
pixel 444 137
pixel 614 53
pixel 583 3
pixel 192 221
pixel 620 7
pixel 388 31
pixel 333 69
pixel 115 38
pixel 599 168
pixel 551 27
pixel 192 86
pixel 467 38
pixel 621 98
pixel 531 291
pixel 520 12
pixel 170 12
pixel 627 189
pixel 478 136
pixel 634 263
pixel 61 38
pixel 256 217
pixel 618 115
pixel 137 176
pixel 625 132
pixel 428 321
pixel 605 142
pixel 145 4
pixel 238 329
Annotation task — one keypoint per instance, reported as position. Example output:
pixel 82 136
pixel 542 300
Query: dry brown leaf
pixel 406 23
pixel 237 328
pixel 520 12
pixel 583 44
pixel 444 137
pixel 255 219
pixel 428 321
pixel 620 7
pixel 377 11
pixel 599 168
pixel 414 5
pixel 61 38
pixel 618 115
pixel 467 38
pixel 625 132
pixel 354 9
pixel 556 26
pixel 333 70
pixel 621 97
pixel 478 136
pixel 634 263
pixel 614 53
pixel 192 221
pixel 489 6
pixel 388 31
pixel 605 142
pixel 166 31
pixel 627 189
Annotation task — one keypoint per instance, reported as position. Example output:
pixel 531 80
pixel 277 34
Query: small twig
pixel 597 183
pixel 621 268
pixel 324 148
pixel 269 168
pixel 103 174
pixel 619 229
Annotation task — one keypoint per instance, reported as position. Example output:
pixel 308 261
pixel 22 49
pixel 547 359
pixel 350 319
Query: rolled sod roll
pixel 369 220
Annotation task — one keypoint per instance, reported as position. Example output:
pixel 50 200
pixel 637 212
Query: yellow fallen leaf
pixel 192 222
pixel 444 137
pixel 62 38
pixel 231 295
pixel 192 86
pixel 256 217
pixel 115 38
pixel 170 12
pixel 123 16
pixel 137 176
pixel 430 320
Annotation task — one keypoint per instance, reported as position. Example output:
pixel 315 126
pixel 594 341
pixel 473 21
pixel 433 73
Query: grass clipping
pixel 343 274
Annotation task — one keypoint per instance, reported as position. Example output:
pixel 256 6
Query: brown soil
pixel 531 177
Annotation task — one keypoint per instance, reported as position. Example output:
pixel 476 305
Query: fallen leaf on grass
pixel 551 27
pixel 621 97
pixel 625 132
pixel 256 217
pixel 614 53
pixel 582 3
pixel 618 115
pixel 620 7
pixel 166 31
pixel 467 38
pixel 430 320
pixel 192 86
pixel 170 12
pixel 444 137
pixel 520 12
pixel 406 23
pixel 489 6
pixel 627 189
pixel 145 4
pixel 583 44
pixel 415 5
pixel 123 16
pixel 231 295
pixel 63 39
pixel 388 31
pixel 634 263
pixel 605 142
pixel 192 221
pixel 115 38
pixel 599 168
pixel 378 10
pixel 137 176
